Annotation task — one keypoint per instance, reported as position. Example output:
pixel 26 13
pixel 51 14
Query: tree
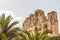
pixel 6 26
pixel 37 35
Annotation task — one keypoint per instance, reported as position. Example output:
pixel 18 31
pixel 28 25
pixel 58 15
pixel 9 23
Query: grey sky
pixel 22 8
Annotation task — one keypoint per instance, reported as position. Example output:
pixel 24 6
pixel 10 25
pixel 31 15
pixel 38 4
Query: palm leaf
pixel 28 34
pixel 23 36
pixel 3 36
pixel 12 24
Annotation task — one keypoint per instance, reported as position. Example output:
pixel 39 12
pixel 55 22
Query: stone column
pixel 53 23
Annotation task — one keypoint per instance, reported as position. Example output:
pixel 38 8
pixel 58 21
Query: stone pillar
pixel 53 23
pixel 26 23
pixel 40 19
pixel 31 20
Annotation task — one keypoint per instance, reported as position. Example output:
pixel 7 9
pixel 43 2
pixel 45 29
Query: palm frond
pixel 3 36
pixel 28 34
pixel 13 24
pixel 23 36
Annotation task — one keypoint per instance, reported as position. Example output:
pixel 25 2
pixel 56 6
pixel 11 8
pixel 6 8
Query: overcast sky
pixel 20 9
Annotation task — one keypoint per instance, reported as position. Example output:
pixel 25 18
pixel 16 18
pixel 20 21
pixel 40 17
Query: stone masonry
pixel 39 20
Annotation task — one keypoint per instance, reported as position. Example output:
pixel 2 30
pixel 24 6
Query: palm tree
pixel 6 26
pixel 37 35
pixel 3 36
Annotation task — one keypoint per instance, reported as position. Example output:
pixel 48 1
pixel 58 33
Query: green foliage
pixel 38 35
pixel 6 27
pixel 3 36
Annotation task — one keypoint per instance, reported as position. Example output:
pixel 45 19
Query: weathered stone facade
pixel 39 20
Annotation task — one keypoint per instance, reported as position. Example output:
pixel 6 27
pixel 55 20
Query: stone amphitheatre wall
pixel 39 20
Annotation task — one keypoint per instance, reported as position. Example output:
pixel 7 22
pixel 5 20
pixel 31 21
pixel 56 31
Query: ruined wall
pixel 39 20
